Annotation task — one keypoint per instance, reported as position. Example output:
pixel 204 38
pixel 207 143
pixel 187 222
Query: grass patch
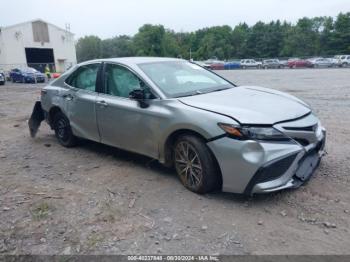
pixel 41 211
pixel 93 240
pixel 109 213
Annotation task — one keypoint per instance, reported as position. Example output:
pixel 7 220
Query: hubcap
pixel 188 164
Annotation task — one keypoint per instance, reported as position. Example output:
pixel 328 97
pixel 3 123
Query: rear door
pixel 80 97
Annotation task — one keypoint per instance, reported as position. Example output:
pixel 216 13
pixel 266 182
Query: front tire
pixel 195 165
pixel 63 130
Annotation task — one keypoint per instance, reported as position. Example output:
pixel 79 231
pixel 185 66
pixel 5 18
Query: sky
pixel 108 18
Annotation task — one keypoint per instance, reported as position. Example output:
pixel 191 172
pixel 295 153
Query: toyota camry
pixel 216 135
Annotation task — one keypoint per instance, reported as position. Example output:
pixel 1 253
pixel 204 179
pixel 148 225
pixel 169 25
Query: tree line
pixel 318 36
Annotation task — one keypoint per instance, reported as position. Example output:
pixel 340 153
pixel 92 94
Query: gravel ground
pixel 95 199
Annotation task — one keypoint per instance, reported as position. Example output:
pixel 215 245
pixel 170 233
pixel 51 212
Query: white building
pixel 36 43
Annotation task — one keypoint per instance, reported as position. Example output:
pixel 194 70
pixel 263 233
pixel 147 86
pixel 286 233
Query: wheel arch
pixel 51 114
pixel 167 157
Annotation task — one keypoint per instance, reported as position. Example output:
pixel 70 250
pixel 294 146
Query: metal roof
pixel 35 20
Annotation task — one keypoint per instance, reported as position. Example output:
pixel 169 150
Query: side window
pixel 119 81
pixel 84 77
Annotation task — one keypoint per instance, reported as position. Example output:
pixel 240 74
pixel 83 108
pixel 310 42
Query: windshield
pixel 181 78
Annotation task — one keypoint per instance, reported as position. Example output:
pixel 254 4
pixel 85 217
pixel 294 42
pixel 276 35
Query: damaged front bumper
pixel 298 172
pixel 250 167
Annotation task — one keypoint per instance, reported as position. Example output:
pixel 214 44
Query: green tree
pixel 341 36
pixel 119 46
pixel 239 40
pixel 308 37
pixel 88 47
pixel 170 47
pixel 148 41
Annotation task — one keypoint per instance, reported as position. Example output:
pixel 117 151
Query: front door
pixel 80 98
pixel 121 121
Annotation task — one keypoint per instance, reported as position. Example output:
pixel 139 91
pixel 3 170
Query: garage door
pixel 40 57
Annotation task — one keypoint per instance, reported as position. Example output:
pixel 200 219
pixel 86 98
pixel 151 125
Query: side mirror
pixel 139 95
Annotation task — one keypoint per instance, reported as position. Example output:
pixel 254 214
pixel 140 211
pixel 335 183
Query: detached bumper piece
pixel 289 172
pixel 36 118
pixel 308 164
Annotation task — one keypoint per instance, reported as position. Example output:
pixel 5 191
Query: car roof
pixel 134 60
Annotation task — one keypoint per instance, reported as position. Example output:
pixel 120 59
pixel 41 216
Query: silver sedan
pixel 241 139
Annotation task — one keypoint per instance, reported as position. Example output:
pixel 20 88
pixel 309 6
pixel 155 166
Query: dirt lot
pixel 94 199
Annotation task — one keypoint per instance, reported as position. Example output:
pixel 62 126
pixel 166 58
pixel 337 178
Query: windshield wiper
pixel 219 89
pixel 197 92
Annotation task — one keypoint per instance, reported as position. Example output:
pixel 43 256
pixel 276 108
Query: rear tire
pixel 195 165
pixel 63 130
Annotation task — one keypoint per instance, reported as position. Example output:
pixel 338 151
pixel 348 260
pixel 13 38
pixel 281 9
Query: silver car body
pixel 322 62
pixel 122 123
pixel 344 60
pixel 250 63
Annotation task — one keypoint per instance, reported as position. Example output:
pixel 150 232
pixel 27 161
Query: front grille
pixel 303 128
pixel 270 171
pixel 302 141
pixel 274 170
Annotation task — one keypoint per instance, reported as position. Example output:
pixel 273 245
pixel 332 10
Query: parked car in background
pixel 321 62
pixel 2 77
pixel 217 66
pixel 200 63
pixel 56 75
pixel 271 63
pixel 250 63
pixel 299 63
pixel 213 60
pixel 335 60
pixel 241 139
pixel 344 61
pixel 27 75
pixel 232 65
pixel 284 63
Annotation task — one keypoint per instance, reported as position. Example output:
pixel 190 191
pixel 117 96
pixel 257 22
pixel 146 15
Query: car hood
pixel 250 104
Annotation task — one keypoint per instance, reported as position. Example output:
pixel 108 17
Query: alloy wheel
pixel 188 165
pixel 61 128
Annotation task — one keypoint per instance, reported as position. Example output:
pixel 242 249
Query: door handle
pixel 102 103
pixel 68 97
